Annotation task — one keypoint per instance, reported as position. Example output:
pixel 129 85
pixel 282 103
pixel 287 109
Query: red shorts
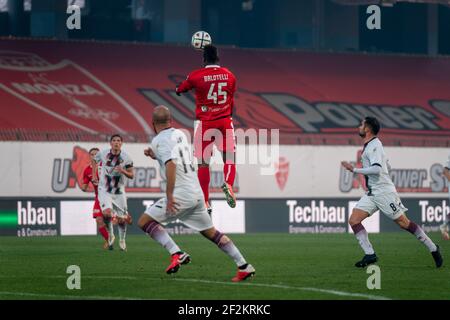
pixel 97 211
pixel 218 132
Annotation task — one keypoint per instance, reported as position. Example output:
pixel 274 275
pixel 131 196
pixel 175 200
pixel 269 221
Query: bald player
pixel 184 198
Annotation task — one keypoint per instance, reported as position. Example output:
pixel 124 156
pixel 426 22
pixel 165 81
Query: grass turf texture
pixel 35 268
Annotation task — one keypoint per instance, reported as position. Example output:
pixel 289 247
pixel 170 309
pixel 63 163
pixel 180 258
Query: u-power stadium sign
pixel 306 171
pixel 66 89
pixel 68 174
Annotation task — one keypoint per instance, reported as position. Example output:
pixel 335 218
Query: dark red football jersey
pixel 214 92
pixel 87 177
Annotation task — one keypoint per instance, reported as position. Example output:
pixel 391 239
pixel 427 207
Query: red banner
pixel 313 98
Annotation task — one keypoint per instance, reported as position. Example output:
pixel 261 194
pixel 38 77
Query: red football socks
pixel 203 177
pixel 104 232
pixel 229 173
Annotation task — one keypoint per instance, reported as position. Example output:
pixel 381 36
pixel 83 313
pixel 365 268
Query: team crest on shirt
pixel 282 172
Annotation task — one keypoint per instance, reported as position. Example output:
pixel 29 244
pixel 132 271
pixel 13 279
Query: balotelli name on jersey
pixel 214 90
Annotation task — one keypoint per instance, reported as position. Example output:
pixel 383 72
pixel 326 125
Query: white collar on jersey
pixel 212 66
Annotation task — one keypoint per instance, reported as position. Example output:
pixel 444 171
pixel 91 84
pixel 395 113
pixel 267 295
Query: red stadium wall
pixel 83 89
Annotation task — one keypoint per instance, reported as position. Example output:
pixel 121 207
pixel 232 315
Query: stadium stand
pixel 83 91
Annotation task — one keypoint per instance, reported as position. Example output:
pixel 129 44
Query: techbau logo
pixel 36 220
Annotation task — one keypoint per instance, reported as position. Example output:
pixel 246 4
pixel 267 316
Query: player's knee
pixel 100 222
pixel 107 213
pixel 216 236
pixel 209 233
pixel 354 220
pixel 403 222
pixel 143 220
pixel 223 241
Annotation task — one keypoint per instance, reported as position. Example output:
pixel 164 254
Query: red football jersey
pixel 214 92
pixel 87 177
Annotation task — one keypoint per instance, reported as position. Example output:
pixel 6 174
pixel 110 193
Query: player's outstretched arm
pixel 127 172
pixel 149 153
pixel 185 86
pixel 372 170
pixel 347 166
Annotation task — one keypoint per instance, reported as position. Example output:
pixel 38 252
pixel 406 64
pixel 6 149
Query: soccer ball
pixel 200 39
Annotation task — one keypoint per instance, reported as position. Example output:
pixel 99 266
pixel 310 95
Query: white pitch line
pixel 249 284
pixel 99 277
pixel 334 292
pixel 47 295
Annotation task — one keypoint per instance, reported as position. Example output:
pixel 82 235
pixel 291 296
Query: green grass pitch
pixel 287 267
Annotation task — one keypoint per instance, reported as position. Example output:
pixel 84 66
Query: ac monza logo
pixel 282 172
pixel 64 95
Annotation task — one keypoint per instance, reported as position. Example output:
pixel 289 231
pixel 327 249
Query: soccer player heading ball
pixel 381 195
pixel 214 98
pixel 184 199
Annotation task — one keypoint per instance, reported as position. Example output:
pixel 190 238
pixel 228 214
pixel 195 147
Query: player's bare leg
pixel 102 228
pixel 160 235
pixel 229 174
pixel 361 234
pixel 245 270
pixel 204 179
pixel 107 213
pixel 417 231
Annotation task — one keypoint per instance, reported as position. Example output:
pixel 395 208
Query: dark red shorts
pixel 218 132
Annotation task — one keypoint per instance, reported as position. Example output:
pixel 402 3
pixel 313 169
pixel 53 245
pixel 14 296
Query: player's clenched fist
pixel 119 169
pixel 149 153
pixel 347 166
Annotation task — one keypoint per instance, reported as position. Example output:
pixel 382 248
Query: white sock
pixel 110 229
pixel 122 231
pixel 160 235
pixel 363 238
pixel 233 252
pixel 421 236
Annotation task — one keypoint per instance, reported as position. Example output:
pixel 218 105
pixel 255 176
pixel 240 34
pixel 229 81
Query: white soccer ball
pixel 200 39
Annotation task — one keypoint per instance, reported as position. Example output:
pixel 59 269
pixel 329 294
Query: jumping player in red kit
pixel 214 96
pixel 97 212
